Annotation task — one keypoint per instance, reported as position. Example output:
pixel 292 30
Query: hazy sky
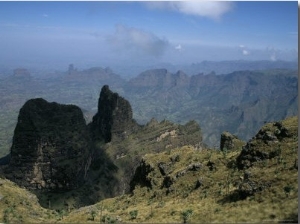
pixel 105 33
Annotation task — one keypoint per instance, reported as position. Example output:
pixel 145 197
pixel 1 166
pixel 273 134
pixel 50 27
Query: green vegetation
pixel 183 188
pixel 186 214
pixel 180 190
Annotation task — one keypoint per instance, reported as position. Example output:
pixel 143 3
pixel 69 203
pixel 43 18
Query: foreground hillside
pixel 207 186
pixel 255 183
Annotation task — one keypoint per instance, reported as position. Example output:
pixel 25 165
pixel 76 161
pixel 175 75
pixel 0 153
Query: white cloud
pixel 178 47
pixel 245 52
pixel 45 15
pixel 210 9
pixel 137 41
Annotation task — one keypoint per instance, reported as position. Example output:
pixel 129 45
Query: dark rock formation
pixel 114 116
pixel 50 148
pixel 167 182
pixel 141 176
pixel 230 142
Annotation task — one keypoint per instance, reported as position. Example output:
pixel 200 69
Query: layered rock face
pixel 50 146
pixel 114 116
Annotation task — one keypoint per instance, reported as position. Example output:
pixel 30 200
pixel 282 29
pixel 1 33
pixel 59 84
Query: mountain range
pixel 239 102
pixel 114 170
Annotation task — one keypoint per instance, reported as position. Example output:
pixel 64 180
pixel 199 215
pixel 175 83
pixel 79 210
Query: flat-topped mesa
pixel 114 116
pixel 50 148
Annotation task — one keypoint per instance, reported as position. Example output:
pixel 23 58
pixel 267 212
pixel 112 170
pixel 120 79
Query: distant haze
pixel 54 34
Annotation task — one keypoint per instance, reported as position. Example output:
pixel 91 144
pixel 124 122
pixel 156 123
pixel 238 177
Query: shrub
pixel 93 215
pixel 133 214
pixel 186 214
pixel 287 189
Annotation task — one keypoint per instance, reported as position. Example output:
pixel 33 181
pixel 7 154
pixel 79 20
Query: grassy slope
pixel 18 205
pixel 215 200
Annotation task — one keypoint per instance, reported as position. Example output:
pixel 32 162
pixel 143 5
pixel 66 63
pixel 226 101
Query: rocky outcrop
pixel 230 142
pixel 114 116
pixel 50 148
pixel 248 187
pixel 265 143
pixel 141 177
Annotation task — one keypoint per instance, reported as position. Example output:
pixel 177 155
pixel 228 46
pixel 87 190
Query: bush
pixel 287 189
pixel 186 215
pixel 133 214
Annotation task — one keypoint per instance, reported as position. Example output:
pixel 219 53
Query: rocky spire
pixel 114 116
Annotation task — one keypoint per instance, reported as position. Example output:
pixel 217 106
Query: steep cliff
pixel 50 146
pixel 54 150
pixel 114 116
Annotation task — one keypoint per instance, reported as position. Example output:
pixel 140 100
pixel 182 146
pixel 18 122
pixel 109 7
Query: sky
pixel 139 33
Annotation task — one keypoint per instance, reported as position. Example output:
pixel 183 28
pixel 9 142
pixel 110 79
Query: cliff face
pixel 114 116
pixel 54 150
pixel 239 102
pixel 50 146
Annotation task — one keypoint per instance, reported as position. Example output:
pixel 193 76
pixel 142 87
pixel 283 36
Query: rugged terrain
pixel 256 182
pixel 64 161
pixel 239 101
